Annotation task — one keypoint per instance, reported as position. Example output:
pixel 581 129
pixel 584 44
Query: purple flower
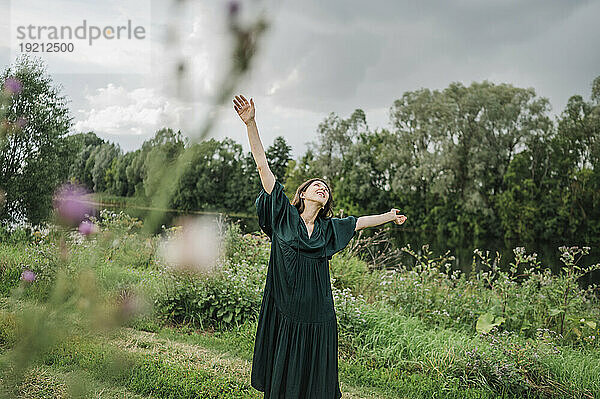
pixel 28 276
pixel 233 7
pixel 21 122
pixel 86 228
pixel 13 85
pixel 71 205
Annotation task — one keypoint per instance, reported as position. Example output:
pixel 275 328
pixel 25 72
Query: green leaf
pixel 555 312
pixel 487 321
pixel 591 324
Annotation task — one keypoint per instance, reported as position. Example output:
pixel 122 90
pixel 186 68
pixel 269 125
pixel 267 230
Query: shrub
pixel 117 222
pixel 524 298
pixel 227 297
pixel 219 300
pixel 510 364
pixel 352 273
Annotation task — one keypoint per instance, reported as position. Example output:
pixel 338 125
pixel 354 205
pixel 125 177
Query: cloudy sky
pixel 316 58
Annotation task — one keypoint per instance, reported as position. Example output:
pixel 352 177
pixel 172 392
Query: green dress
pixel 296 345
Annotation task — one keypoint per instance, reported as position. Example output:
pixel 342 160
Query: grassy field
pixel 104 318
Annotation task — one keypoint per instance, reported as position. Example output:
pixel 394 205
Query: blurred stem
pixel 242 55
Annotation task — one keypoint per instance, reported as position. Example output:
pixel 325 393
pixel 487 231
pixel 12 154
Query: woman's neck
pixel 310 213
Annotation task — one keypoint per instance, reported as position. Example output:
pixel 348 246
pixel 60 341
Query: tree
pixel 32 157
pixel 572 187
pixel 103 156
pixel 364 184
pixel 116 176
pixel 458 143
pixel 136 171
pixel 82 145
pixel 164 149
pixel 214 178
pixel 278 157
pixel 300 171
pixel 335 137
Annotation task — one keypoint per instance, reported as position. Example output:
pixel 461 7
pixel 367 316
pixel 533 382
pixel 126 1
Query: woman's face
pixel 317 191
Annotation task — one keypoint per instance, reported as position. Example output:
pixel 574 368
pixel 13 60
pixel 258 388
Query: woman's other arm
pixel 245 110
pixel 376 220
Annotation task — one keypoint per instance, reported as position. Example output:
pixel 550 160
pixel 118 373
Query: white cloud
pixel 114 110
pixel 319 57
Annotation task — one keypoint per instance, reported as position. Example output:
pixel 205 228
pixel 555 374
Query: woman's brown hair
pixel 326 211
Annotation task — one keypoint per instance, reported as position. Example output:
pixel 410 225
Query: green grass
pixel 384 353
pixel 145 374
pixel 44 382
pixel 179 362
pixel 11 262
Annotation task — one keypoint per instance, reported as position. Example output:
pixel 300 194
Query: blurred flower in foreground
pixel 71 205
pixel 195 247
pixel 86 228
pixel 234 7
pixel 21 122
pixel 13 85
pixel 28 276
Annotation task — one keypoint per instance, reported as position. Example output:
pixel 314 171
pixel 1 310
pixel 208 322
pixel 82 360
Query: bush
pixel 40 259
pixel 349 272
pixel 220 300
pixel 508 363
pixel 229 296
pixel 241 249
pixel 524 299
pixel 118 222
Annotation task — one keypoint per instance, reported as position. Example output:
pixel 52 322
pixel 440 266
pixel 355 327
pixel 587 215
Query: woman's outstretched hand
pixel 397 218
pixel 244 108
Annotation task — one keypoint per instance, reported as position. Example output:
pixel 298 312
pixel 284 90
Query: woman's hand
pixel 396 217
pixel 244 108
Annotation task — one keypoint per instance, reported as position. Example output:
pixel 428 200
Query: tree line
pixel 467 164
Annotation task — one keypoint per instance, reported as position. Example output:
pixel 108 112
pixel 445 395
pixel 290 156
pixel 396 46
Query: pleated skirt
pixel 294 359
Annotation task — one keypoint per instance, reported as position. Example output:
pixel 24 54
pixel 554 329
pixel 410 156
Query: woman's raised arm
pixel 375 220
pixel 245 110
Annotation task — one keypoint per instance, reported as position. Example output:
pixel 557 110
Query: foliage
pixel 32 155
pixel 278 156
pixel 225 298
pixel 218 301
pixel 119 222
pixel 523 299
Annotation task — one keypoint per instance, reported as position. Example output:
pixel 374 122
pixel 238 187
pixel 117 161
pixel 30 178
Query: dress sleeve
pixel 340 234
pixel 271 208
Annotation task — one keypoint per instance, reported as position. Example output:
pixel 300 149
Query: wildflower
pixel 86 228
pixel 196 247
pixel 233 8
pixel 13 85
pixel 21 122
pixel 28 276
pixel 70 204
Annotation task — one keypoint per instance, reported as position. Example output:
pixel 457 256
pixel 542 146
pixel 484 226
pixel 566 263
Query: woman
pixel 296 345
